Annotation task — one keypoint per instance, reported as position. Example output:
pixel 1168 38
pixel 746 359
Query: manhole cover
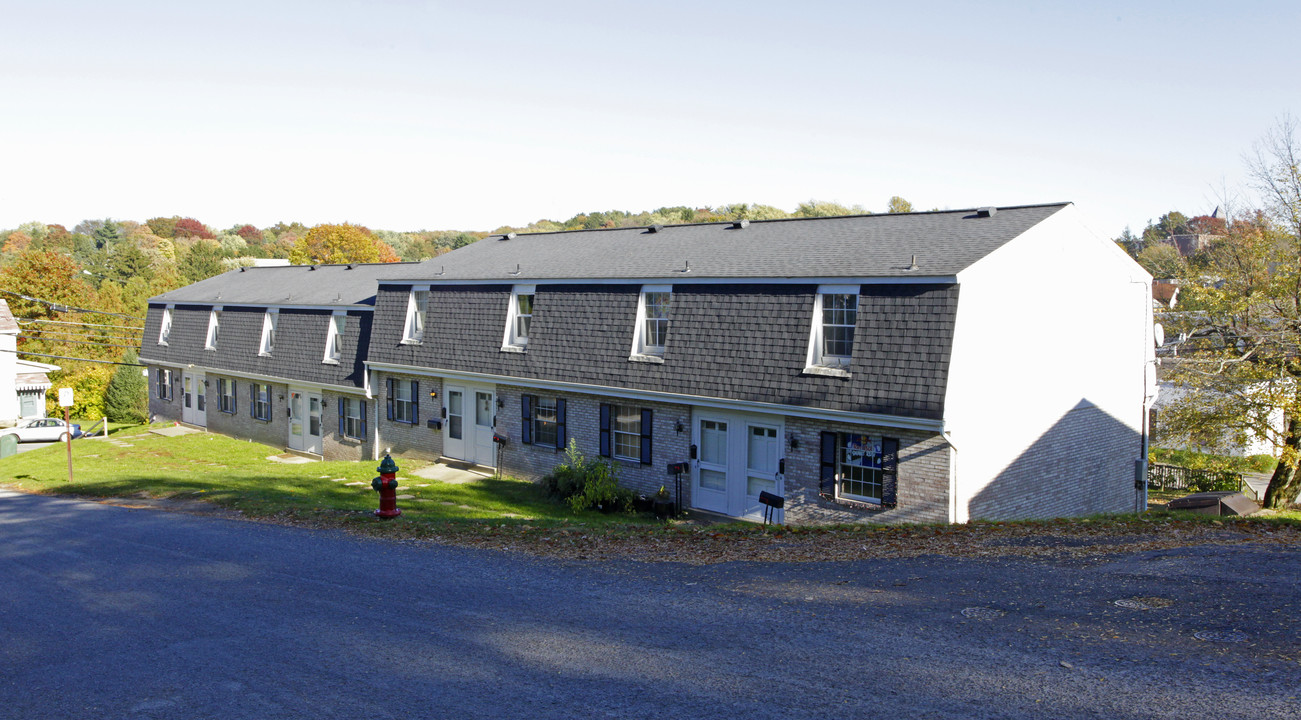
pixel 1144 603
pixel 982 613
pixel 1224 636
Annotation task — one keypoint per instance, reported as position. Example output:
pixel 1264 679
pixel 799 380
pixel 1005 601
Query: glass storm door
pixel 315 411
pixel 454 428
pixel 297 423
pixel 193 400
pixel 709 479
pixel 762 449
pixel 484 420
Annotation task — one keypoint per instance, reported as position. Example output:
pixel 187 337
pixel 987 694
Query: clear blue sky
pixel 469 115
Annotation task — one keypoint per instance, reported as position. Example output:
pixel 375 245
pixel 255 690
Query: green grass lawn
pixel 237 475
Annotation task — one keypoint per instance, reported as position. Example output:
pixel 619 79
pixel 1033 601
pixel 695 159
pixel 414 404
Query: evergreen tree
pixel 127 397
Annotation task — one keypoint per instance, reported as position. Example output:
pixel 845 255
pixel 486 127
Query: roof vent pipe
pixel 912 267
pixel 741 224
pixel 655 228
pixel 986 212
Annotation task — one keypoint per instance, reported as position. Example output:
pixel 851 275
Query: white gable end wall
pixel 1049 377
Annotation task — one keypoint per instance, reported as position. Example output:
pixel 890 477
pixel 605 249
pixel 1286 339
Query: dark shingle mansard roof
pixel 290 285
pixel 298 354
pixel 861 246
pixel 737 341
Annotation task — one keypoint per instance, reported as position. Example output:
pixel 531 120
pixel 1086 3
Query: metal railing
pixel 1174 477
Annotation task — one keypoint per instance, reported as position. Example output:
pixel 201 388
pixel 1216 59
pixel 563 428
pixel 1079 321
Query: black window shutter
pixel 269 414
pixel 889 471
pixel 363 419
pixel 388 396
pixel 234 395
pixel 827 465
pixel 415 402
pixel 252 400
pixel 605 430
pixel 561 441
pixel 526 419
pixel 341 416
pixel 646 426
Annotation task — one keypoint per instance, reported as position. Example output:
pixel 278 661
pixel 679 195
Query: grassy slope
pixel 237 475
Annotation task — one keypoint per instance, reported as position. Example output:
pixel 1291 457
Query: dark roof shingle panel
pixel 861 246
pixel 287 285
pixel 743 342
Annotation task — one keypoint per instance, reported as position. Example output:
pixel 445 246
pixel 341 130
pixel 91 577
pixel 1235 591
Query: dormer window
pixel 214 324
pixel 269 320
pixel 166 330
pixel 519 318
pixel 417 306
pixel 831 340
pixel 652 328
pixel 334 339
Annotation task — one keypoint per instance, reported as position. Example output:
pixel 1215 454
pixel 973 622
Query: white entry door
pixel 194 399
pixel 737 457
pixel 305 410
pixel 469 426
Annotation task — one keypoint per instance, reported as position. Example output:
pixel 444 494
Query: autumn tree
pixel 191 228
pixel 163 227
pixel 1240 368
pixel 127 397
pixel 334 244
pixel 201 260
pixel 1162 261
pixel 898 205
pixel 816 208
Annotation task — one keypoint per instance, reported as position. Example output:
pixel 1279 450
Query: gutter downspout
pixel 953 475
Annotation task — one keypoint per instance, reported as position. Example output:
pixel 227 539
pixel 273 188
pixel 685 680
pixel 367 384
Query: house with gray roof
pixel 23 383
pixel 271 354
pixel 884 368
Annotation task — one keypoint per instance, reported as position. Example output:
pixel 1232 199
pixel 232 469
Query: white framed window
pixel 652 328
pixel 627 432
pixel 353 421
pixel 226 395
pixel 859 474
pixel 417 307
pixel 544 421
pixel 164 384
pixel 260 401
pixel 214 325
pixel 831 339
pixel 404 401
pixel 165 331
pixel 334 338
pixel 269 320
pixel 519 319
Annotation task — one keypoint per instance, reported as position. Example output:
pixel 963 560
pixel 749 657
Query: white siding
pixel 1050 355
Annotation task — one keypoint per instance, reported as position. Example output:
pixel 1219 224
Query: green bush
pixel 583 483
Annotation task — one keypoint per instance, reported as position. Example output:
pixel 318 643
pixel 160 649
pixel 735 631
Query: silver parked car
pixel 42 430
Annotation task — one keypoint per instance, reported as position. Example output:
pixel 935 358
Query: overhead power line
pixel 60 307
pixel 66 357
pixel 63 322
pixel 84 334
pixel 78 342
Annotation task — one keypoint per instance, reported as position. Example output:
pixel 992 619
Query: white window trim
pixel 615 432
pixel 410 334
pixel 840 494
pixel 814 363
pixel 640 352
pixel 270 319
pixel 350 421
pixel 333 335
pixel 510 342
pixel 165 331
pixel 214 327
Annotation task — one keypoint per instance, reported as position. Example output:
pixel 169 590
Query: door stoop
pixel 483 470
pixel 304 453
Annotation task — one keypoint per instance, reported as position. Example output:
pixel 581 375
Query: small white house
pixel 23 383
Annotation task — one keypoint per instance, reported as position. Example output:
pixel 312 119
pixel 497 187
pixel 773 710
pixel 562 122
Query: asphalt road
pixel 108 612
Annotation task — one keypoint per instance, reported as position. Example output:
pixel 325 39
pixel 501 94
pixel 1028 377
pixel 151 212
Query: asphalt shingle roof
pixel 289 285
pixel 860 246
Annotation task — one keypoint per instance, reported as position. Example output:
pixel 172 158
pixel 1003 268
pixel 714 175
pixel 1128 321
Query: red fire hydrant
pixel 387 486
